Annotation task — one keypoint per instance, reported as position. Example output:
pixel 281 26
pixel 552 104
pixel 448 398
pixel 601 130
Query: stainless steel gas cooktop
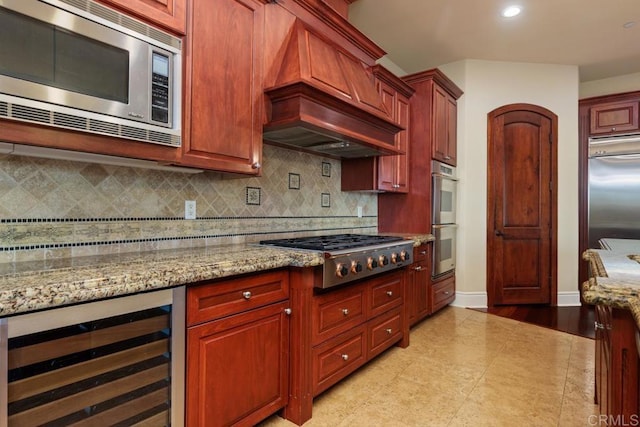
pixel 351 257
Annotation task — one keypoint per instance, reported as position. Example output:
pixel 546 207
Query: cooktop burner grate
pixel 334 242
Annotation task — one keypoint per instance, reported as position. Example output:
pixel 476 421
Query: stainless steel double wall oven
pixel 443 217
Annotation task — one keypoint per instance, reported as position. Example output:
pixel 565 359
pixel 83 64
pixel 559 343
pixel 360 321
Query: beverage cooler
pixel 112 362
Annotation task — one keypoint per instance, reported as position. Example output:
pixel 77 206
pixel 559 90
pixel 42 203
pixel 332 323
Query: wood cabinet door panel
pixel 444 124
pixel 386 293
pixel 615 117
pixel 170 14
pixel 338 357
pixel 237 368
pixel 221 298
pixel 383 332
pixel 443 293
pixel 224 92
pixel 338 311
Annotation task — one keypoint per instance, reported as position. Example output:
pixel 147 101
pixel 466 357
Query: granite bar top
pixel 31 286
pixel 615 278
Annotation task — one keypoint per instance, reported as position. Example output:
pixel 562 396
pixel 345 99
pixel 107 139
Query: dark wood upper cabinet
pixel 614 117
pixel 433 112
pixel 222 121
pixel 384 173
pixel 444 122
pixel 170 14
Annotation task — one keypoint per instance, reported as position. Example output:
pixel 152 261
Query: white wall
pixel 488 85
pixel 619 84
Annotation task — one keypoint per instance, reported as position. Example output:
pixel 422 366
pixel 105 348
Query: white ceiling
pixel 422 34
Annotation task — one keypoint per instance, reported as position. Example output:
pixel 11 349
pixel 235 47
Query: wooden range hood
pixel 325 100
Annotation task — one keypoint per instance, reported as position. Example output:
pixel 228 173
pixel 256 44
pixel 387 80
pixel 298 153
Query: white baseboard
pixel 470 300
pixel 568 299
pixel 479 299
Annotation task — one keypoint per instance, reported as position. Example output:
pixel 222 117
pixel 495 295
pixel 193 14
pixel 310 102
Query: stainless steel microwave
pixel 79 65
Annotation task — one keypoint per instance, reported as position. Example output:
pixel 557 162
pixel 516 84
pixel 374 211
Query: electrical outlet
pixel 359 211
pixel 189 209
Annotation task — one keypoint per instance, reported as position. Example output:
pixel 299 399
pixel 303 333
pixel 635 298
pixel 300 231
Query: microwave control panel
pixel 160 88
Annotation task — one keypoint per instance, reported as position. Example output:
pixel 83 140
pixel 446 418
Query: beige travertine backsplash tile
pixel 56 208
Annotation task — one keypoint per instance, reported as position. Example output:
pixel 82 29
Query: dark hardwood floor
pixel 573 320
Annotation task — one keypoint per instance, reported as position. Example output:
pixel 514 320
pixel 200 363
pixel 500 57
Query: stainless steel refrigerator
pixel 614 188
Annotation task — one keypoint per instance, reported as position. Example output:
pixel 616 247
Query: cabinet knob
pixel 418 268
pixel 287 311
pixel 613 129
pixel 246 294
pixel 602 326
pixel 256 165
pixel 447 157
pixel 345 357
pixel 396 185
pixel 423 252
pixel 388 331
pixel 446 292
pixel 345 311
pixel 390 293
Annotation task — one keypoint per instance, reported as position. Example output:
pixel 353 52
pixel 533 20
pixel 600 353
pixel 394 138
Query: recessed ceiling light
pixel 511 11
pixel 629 24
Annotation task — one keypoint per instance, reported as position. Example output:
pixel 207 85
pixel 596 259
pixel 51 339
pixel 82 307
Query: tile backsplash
pixel 57 208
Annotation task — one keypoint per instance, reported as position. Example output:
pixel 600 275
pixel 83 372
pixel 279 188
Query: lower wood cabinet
pixel 616 365
pixel 237 355
pixel 443 292
pixel 335 331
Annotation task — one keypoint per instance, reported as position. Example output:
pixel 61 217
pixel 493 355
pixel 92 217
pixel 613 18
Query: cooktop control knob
pixel 371 263
pixel 404 256
pixel 394 258
pixel 341 270
pixel 383 260
pixel 356 267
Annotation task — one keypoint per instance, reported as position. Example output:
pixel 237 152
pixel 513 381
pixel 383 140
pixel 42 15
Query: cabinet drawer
pixel 337 311
pixel 443 293
pixel 383 331
pixel 337 358
pixel 217 299
pixel 614 117
pixel 386 293
pixel 420 253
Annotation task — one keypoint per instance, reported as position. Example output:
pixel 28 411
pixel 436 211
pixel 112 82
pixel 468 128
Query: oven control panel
pixel 346 266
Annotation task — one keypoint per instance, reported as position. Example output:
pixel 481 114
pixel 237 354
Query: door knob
pixel 498 233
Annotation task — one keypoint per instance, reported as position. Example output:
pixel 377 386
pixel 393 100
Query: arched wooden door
pixel 522 205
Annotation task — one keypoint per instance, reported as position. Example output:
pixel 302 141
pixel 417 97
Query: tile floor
pixel 467 368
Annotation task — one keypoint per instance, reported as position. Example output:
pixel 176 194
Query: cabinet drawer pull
pixel 390 293
pixel 418 268
pixel 345 357
pixel 447 157
pixel 345 311
pixel 388 331
pixel 246 294
pixel 423 252
pixel 602 326
pixel 446 292
pixel 287 311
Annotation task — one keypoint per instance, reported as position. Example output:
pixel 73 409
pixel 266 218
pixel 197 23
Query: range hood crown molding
pixel 324 97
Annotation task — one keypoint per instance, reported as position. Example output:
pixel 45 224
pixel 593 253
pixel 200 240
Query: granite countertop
pixel 615 277
pixel 31 286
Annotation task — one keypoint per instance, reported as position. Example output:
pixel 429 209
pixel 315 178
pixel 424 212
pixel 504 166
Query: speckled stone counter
pixel 615 279
pixel 36 286
pixel 31 286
